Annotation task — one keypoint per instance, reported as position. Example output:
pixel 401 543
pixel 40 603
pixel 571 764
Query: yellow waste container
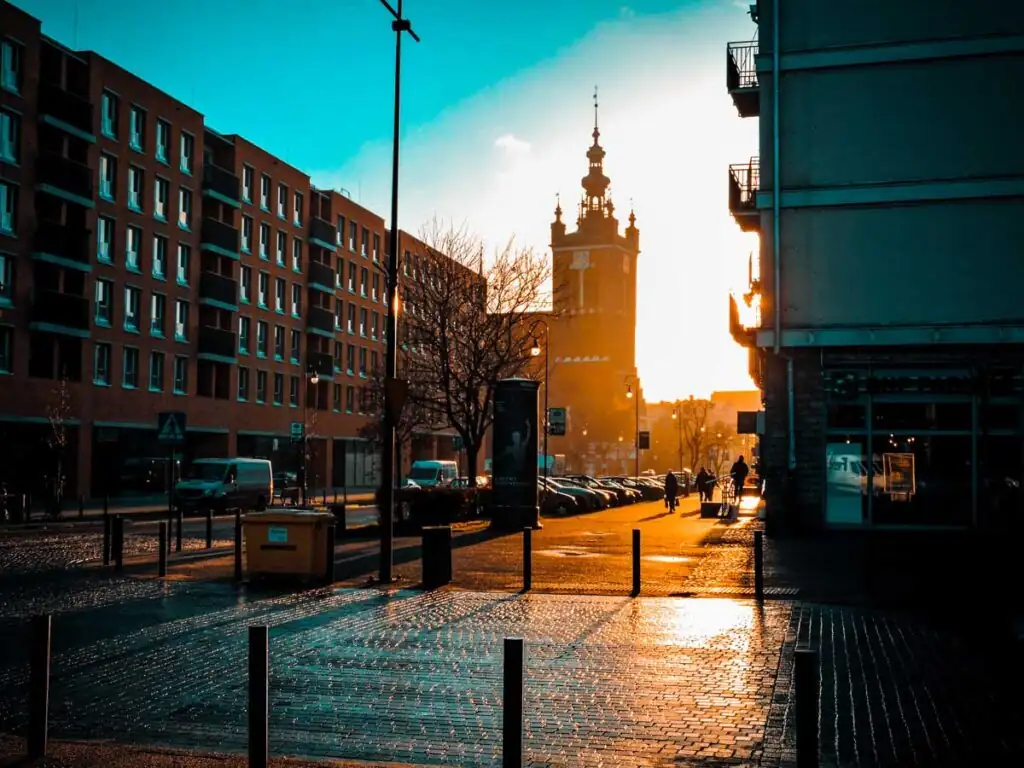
pixel 286 542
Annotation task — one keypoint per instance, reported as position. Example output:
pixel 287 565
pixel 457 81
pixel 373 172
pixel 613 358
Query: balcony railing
pixel 64 174
pixel 222 181
pixel 216 341
pixel 67 242
pixel 321 275
pixel 741 77
pixel 323 231
pixel 218 288
pixel 319 363
pixel 69 108
pixel 61 309
pixel 320 319
pixel 744 183
pixel 217 233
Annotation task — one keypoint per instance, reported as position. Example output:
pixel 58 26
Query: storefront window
pixel 847 478
pixel 924 479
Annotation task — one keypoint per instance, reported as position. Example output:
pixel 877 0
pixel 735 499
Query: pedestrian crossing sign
pixel 170 427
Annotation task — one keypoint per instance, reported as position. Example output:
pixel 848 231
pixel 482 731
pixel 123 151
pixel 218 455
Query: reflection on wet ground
pixel 417 676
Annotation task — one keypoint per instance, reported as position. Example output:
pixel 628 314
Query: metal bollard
pixel 81 506
pixel 759 565
pixel 106 503
pixel 329 563
pixel 238 545
pixel 118 543
pixel 209 529
pixel 807 703
pixel 162 554
pixel 39 687
pixel 527 559
pixel 106 538
pixel 636 561
pixel 259 696
pixel 177 538
pixel 512 705
pixel 26 508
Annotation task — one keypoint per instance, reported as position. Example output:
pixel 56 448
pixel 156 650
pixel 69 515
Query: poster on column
pixel 515 443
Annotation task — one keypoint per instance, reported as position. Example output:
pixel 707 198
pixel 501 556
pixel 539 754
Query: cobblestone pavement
pixel 416 677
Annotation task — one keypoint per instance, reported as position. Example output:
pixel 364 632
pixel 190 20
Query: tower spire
pixel 597 132
pixel 595 183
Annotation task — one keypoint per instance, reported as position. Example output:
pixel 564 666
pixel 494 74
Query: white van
pixel 222 484
pixel 430 474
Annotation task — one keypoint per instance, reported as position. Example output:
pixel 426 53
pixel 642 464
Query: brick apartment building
pixel 148 264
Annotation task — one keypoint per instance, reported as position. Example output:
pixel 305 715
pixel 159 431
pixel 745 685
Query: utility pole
pixel 394 391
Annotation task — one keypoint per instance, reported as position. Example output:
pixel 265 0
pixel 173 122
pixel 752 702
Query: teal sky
pixel 497 115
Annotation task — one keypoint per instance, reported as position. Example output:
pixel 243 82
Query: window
pixel 350 360
pixel 261 386
pixel 353 234
pixel 245 285
pixel 247 234
pixel 353 269
pixel 376 287
pixel 365 247
pixel 132 244
pixel 10 133
pixel 339 231
pixel 336 399
pixel 161 191
pixel 261 338
pixel 339 312
pixel 374 325
pixel 136 177
pixel 296 255
pixel 293 392
pixel 364 279
pixel 278 388
pixel 297 210
pixel 296 300
pixel 247 174
pixel 351 325
pixel 339 353
pixel 132 297
pixel 105 239
pixel 265 192
pixel 244 325
pixel 156 371
pixel 108 176
pixel 130 368
pixel 6 279
pixel 181 375
pixel 159 257
pixel 182 270
pixel 376 247
pixel 180 320
pixel 279 342
pixel 264 288
pixel 350 397
pixel 11 56
pixel 280 289
pixel 282 248
pixel 104 302
pixel 157 313
pixel 8 207
pixel 265 242
pixel 137 129
pixel 296 345
pixel 188 145
pixel 339 272
pixel 362 322
pixel 101 364
pixel 185 208
pixel 243 383
pixel 362 362
pixel 282 200
pixel 163 141
pixel 108 109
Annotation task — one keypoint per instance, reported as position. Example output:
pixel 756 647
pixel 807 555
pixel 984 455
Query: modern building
pixel 592 330
pixel 889 199
pixel 150 264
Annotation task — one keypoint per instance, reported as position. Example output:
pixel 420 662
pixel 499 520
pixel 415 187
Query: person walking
pixel 671 490
pixel 739 473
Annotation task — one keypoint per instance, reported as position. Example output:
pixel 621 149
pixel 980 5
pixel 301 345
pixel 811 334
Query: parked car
pixel 621 495
pixel 430 473
pixel 631 494
pixel 222 484
pixel 588 499
pixel 557 503
pixel 647 491
pixel 609 498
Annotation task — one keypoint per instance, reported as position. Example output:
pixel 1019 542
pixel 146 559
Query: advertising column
pixel 515 454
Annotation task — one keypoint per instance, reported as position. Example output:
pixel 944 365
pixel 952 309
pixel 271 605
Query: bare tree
pixel 720 438
pixel 693 416
pixel 58 413
pixel 467 326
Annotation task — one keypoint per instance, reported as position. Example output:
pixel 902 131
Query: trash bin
pixel 437 556
pixel 286 542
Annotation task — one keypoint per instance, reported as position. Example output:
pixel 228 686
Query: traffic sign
pixel 644 443
pixel 170 427
pixel 297 431
pixel 556 421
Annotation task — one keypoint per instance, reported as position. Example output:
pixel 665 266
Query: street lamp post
pixel 399 25
pixel 314 379
pixel 677 416
pixel 535 351
pixel 636 431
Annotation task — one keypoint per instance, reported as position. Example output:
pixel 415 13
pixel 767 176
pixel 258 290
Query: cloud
pixel 512 144
pixel 625 12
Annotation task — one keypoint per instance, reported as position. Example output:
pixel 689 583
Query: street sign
pixel 297 431
pixel 556 421
pixel 170 427
pixel 644 441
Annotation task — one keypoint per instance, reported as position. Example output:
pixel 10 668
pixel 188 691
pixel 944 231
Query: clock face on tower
pixel 581 259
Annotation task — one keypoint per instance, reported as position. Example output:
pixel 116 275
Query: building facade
pixel 888 198
pixel 148 264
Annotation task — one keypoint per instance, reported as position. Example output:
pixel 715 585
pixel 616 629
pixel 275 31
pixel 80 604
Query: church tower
pixel 594 328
